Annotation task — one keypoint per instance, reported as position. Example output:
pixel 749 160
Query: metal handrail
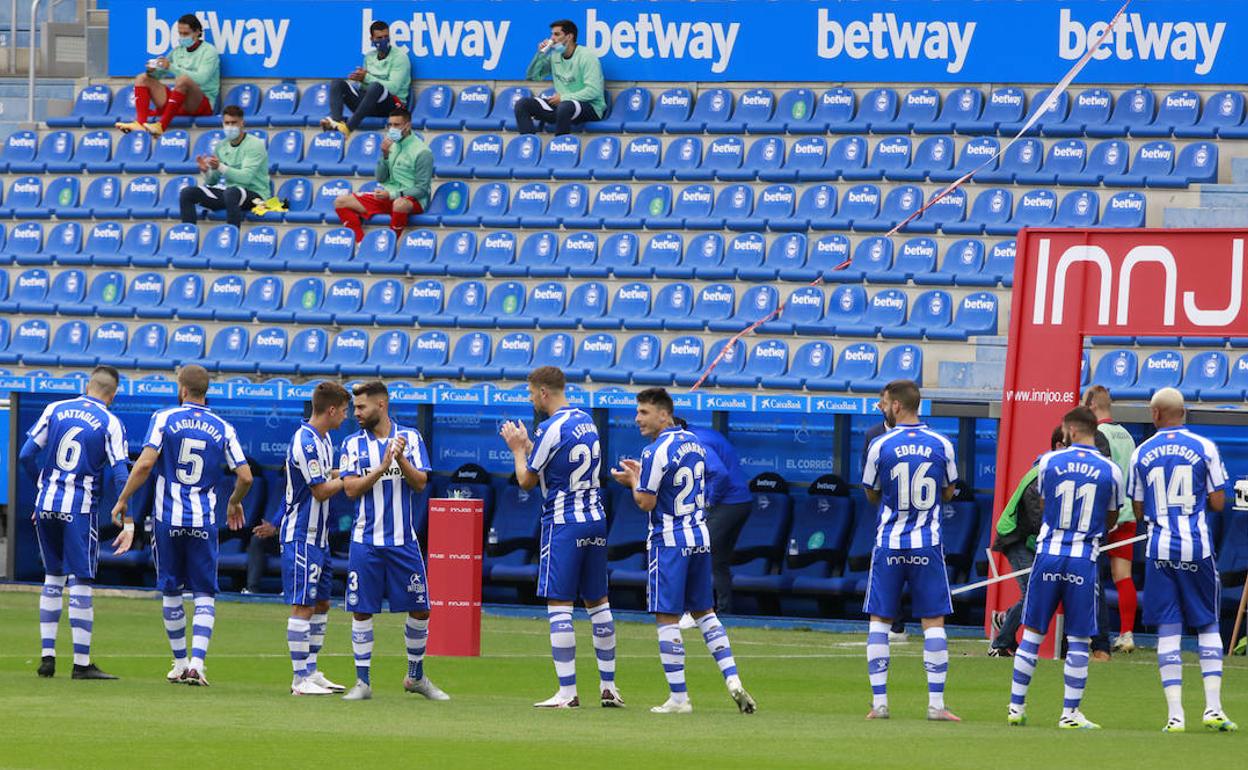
pixel 13 37
pixel 30 94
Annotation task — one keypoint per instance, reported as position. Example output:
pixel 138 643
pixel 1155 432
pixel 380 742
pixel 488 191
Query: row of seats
pixel 508 305
pixel 1208 376
pixel 810 159
pixel 1091 112
pixel 466 253
pixel 777 207
pixel 642 359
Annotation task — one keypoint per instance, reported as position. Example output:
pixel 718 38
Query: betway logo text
pixel 1132 39
pixel 430 36
pixel 883 38
pixel 649 36
pixel 256 36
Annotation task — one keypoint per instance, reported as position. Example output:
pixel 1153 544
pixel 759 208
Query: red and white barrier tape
pixel 1045 106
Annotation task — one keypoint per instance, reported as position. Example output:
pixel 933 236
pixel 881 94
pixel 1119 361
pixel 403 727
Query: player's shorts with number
pixel 186 558
pixel 1187 592
pixel 678 579
pixel 922 569
pixel 572 563
pixel 68 543
pixel 395 573
pixel 1068 581
pixel 307 577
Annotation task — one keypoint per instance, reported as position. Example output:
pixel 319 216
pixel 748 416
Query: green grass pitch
pixel 811 689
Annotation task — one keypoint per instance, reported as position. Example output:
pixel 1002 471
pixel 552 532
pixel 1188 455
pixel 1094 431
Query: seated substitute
pixel 196 68
pixel 405 171
pixel 577 75
pixel 381 85
pixel 236 175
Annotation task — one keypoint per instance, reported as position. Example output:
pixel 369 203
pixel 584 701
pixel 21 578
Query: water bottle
pixel 792 546
pixel 492 538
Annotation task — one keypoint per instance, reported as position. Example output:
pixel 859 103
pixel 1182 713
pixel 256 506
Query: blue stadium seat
pixel 278 106
pixel 467 299
pixel 704 255
pixel 56 148
pixel 513 353
pixel 521 154
pixel 219 251
pixel 147 346
pixel 1055 113
pixel 102 196
pixel 428 349
pixel 536 257
pixel 961 106
pixel 1081 208
pixel 20 148
pixel 107 346
pixel 769 358
pixel 1206 372
pixel 802 313
pixel 69 342
pixel 652 203
pixel 794 109
pixel 1197 164
pixel 435 107
pixel 322 205
pixel 786 258
pixel 919 106
pixel 23 200
pixel 30 339
pixel 682 159
pixel 303 301
pixel 682 359
pixel 816 209
pixel 847 159
pixel 595 352
pixel 286 151
pixel 723 158
pixel 975 153
pixel 904 362
pixel 138 247
pixel 360 157
pixel 811 368
pixel 1163 369
pixel 760 546
pixel 457 251
pixel 1116 370
pixel 552 350
pixel 672 305
pixel 60 198
pixel 1133 107
pixel 92 155
pixel 805 161
pixel 545 306
pixel 1036 208
pixel 587 302
pixel 757 303
pixel 835 107
pixel 309 109
pixel 859 203
pixel 448 151
pixel 306 352
pixel 601 155
pixel 103 297
pixel 1153 165
pixel 1125 209
pixel 878 108
pixel 472 350
pixel 714 105
pixel 693 202
pixel 1065 159
pixel 932 317
pixel 343 298
pixel 169 153
pixel 631 105
pixel 483 154
pixel 186 345
pixel 1177 110
pixel 387 358
pixel 64 246
pixel 754 109
pixel 827 253
pixel 1090 109
pixel 1223 117
pixel 1021 158
pixel 1004 105
pixel 933 155
pixel 1236 384
pixel 885 310
pixel 323 151
pixel 873 255
pixel 504 308
pixel 245 96
pixel 167 205
pixel 25 244
pixel 638 354
pixel 578 250
pixel 120 108
pixel 609 201
pixel 417 252
pixel 900 203
pixel 502 111
pixel 992 208
pixel 640 156
pixel 561 155
pixel 713 302
pixel 490 200
pixel 449 198
pixel 744 253
pixel 228 351
pixel 91 102
pixel 618 255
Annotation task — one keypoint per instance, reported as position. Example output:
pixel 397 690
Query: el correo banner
pixel 905 41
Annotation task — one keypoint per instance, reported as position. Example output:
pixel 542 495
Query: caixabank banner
pixel 909 41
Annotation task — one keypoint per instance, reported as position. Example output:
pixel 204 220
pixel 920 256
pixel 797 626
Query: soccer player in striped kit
pixel 669 483
pixel 84 439
pixel 384 468
pixel 1082 490
pixel 909 471
pixel 1175 476
pixel 190 448
pixel 307 576
pixel 565 458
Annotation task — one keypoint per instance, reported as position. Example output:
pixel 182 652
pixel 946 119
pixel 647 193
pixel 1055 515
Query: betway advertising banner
pixel 910 41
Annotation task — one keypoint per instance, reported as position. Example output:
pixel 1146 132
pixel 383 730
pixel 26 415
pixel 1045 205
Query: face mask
pixel 557 48
pixel 394 134
pixel 186 42
pixel 382 45
pixel 231 132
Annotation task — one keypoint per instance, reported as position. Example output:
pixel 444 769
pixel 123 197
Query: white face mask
pixel 231 132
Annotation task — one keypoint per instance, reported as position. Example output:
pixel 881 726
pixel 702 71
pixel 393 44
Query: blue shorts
pixel 307 577
pixel 1186 592
pixel 1065 580
pixel 679 579
pixel 68 543
pixel 573 561
pixel 922 569
pixel 395 573
pixel 186 559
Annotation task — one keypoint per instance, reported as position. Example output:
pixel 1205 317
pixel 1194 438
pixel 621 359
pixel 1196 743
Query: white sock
pixel 1170 662
pixel 81 620
pixel 936 663
pixel 50 601
pixel 563 649
pixel 1210 643
pixel 877 662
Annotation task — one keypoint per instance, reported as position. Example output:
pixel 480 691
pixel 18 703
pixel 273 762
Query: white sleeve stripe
pixel 116 446
pixel 301 458
pixel 870 468
pixel 39 433
pixel 658 466
pixel 541 454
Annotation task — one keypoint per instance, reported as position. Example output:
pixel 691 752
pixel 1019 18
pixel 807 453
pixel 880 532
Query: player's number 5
pixel 68 450
pixel 189 456
pixel 917 491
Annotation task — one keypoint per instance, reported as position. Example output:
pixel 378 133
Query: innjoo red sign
pixel 455 576
pixel 1072 283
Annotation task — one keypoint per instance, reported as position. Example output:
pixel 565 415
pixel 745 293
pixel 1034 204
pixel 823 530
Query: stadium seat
pixel 30 339
pixel 502 111
pixel 713 302
pixel 1163 369
pixel 69 341
pixel 723 159
pixel 306 352
pixel 228 351
pixel 1236 384
pixel 1116 370
pixel 1004 105
pixel 860 203
pixel 992 208
pixel 682 159
pixel 107 346
pixel 519 155
pixel 20 149
pixel 1153 165
pixel 26 242
pixel 1125 209
pixel 1178 110
pixel 551 350
pixel 1055 113
pixel 595 352
pixel 1205 372
pixel 1107 158
pixel 640 156
pixel 638 354
pixel 1223 117
pixel 471 351
pixel 757 304
pixel 714 105
pixel 103 296
pixel 1081 208
pixel 91 102
pixel 918 106
pixel 429 349
pixel 1090 108
pixel 768 358
pixel 1197 163
pixel 435 107
pixel 64 246
pixel 278 106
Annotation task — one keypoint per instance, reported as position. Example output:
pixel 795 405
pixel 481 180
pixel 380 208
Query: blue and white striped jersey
pixel 85 439
pixel 385 514
pixel 309 462
pixel 1173 473
pixel 1080 487
pixel 195 446
pixel 909 466
pixel 567 459
pixel 673 469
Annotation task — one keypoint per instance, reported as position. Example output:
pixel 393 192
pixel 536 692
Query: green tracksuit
pixel 407 170
pixel 393 72
pixel 203 65
pixel 1121 446
pixel 578 78
pixel 244 165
